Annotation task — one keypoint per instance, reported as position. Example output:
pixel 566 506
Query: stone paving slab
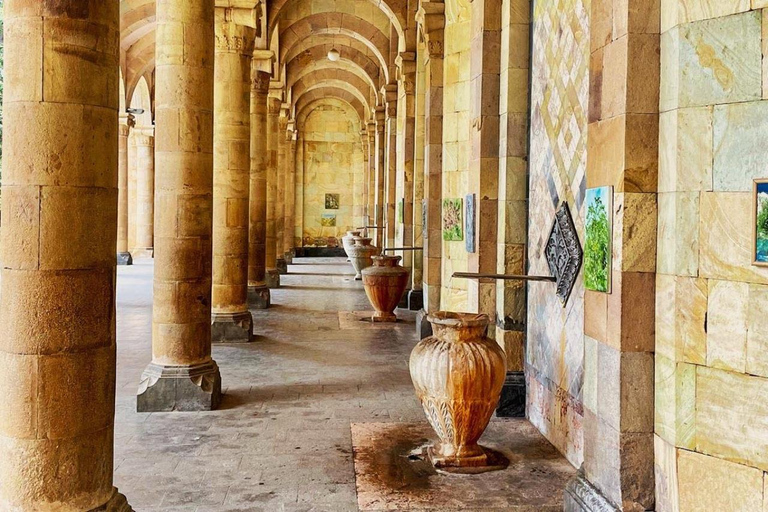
pixel 388 479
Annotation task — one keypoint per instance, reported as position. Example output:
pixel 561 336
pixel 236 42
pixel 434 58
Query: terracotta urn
pixel 348 240
pixel 385 283
pixel 360 254
pixel 458 374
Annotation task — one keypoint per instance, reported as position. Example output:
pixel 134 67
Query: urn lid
pixel 457 320
pixel 361 240
pixel 386 260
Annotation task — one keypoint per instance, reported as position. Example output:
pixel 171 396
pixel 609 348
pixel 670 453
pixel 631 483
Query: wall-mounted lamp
pixel 334 55
pixel 135 111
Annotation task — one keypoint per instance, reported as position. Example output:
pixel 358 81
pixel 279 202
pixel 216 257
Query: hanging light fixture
pixel 334 55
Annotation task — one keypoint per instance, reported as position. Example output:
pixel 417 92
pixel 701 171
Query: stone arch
pixel 142 99
pixel 326 91
pixel 343 79
pixel 394 10
pixel 310 54
pixel 341 70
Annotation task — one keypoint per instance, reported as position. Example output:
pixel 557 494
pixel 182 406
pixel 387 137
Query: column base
pixel 117 503
pixel 403 304
pixel 232 327
pixel 512 401
pixel 581 496
pixel 179 388
pixel 273 278
pixel 289 255
pixel 282 266
pixel 258 297
pixel 143 252
pixel 124 258
pixel 416 300
pixel 423 327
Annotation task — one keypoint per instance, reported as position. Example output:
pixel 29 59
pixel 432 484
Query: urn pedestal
pixel 385 283
pixel 458 374
pixel 360 254
pixel 348 241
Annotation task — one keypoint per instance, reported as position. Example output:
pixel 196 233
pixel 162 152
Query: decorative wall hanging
pixel 597 243
pixel 760 227
pixel 564 254
pixel 470 223
pixel 453 228
pixel 331 201
pixel 328 220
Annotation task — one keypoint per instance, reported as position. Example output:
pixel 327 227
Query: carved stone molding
pixel 235 44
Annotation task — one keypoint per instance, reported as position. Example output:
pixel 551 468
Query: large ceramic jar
pixel 385 283
pixel 348 241
pixel 458 374
pixel 360 254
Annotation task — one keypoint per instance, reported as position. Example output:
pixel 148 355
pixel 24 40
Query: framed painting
pixel 760 223
pixel 331 201
pixel 598 240
pixel 328 220
pixel 469 228
pixel 453 227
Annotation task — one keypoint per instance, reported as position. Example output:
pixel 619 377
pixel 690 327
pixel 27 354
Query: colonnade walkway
pixel 281 439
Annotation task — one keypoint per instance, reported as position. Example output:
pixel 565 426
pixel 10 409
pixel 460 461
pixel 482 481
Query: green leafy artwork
pixel 453 227
pixel 597 247
pixel 761 227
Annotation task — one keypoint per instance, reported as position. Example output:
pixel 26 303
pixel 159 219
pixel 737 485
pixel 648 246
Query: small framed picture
pixel 331 201
pixel 598 240
pixel 760 226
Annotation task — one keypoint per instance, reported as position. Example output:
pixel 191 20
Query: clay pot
pixel 348 241
pixel 458 374
pixel 360 254
pixel 385 283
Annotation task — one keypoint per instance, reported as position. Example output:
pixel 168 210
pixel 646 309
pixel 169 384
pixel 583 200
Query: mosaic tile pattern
pixel 560 90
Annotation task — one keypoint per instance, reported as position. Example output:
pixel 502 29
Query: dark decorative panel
pixel 564 253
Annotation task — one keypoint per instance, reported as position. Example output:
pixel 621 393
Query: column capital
pixel 260 80
pixel 263 60
pixel 381 116
pixel 430 19
pixel 233 38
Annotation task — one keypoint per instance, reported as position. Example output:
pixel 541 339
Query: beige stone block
pixel 726 238
pixel 678 233
pixel 614 83
pixel 691 319
pixel 18 410
pixel 601 28
pixel 665 470
pixel 693 10
pixel 22 225
pixel 764 3
pixel 720 60
pixel 595 315
pixel 709 483
pixel 665 316
pixel 641 153
pixel 675 402
pixel 669 94
pixel 727 325
pixel 668 147
pixel 637 226
pixel 732 416
pixel 631 309
pixel 605 153
pixel 669 14
pixel 757 331
pixel 740 132
pixel 643 67
pixel 590 387
pixel 23 54
pixel 694 149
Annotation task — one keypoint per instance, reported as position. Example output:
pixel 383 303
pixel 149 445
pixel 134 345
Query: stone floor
pixel 282 439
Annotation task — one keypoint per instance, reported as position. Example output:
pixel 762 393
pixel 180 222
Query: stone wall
pixel 555 337
pixel 456 147
pixel 332 163
pixel 711 430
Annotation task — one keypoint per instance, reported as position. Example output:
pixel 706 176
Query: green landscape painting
pixel 453 227
pixel 597 246
pixel 761 222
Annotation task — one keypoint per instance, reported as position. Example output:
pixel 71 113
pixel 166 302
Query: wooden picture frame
pixel 759 187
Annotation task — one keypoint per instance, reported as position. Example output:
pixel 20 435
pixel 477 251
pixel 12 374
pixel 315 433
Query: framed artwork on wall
pixel 598 250
pixel 470 223
pixel 453 227
pixel 328 220
pixel 331 201
pixel 760 220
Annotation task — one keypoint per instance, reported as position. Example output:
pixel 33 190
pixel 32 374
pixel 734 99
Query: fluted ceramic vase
pixel 385 283
pixel 458 374
pixel 348 241
pixel 360 254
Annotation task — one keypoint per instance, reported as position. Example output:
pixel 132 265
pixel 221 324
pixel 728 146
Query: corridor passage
pixel 281 440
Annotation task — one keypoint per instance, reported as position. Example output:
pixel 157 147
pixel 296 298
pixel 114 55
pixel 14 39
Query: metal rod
pixel 403 249
pixel 503 277
pixel 370 227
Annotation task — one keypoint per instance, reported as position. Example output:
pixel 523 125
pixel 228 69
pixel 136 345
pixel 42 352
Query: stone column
pixel 132 185
pixel 390 179
pixel 416 296
pixel 280 193
pixel 182 375
pixel 512 236
pixel 406 141
pixel 290 193
pixel 59 234
pixel 145 193
pixel 231 322
pixel 381 147
pixel 123 256
pixel 371 138
pixel 258 291
pixel 273 113
pixel 431 20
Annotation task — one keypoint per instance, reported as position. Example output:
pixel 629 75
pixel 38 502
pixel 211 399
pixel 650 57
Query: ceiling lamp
pixel 334 55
